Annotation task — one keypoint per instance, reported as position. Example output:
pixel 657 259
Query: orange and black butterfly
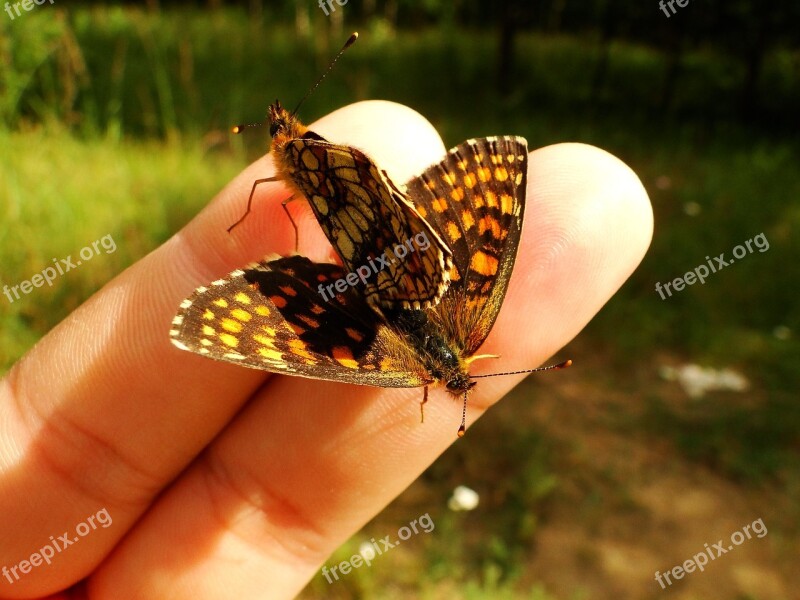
pixel 272 316
pixel 440 251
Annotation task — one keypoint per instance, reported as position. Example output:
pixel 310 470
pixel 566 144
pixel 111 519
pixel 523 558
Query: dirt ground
pixel 636 505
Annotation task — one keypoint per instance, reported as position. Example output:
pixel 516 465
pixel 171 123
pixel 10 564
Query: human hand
pixel 225 482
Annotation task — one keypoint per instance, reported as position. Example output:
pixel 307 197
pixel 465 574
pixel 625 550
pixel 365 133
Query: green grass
pixel 61 193
pixel 740 441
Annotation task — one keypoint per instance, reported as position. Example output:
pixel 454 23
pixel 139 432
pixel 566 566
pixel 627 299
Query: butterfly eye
pixel 460 383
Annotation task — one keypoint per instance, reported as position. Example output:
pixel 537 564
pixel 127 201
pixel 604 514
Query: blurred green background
pixel 114 120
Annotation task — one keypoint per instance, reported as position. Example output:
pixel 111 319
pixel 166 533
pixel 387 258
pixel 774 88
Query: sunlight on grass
pixel 62 193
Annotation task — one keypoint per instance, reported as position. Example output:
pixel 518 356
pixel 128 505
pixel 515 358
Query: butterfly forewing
pixel 365 216
pixel 476 198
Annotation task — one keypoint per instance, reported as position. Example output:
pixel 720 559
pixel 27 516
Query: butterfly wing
pixel 365 216
pixel 272 316
pixel 476 198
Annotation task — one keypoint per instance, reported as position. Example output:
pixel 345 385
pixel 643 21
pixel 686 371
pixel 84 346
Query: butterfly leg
pixel 250 199
pixel 288 214
pixel 422 405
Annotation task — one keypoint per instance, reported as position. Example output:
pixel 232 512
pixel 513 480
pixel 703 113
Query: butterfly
pixel 271 315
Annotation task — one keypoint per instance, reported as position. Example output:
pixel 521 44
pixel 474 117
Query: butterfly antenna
pixel 243 126
pixel 350 41
pixel 562 365
pixel 463 428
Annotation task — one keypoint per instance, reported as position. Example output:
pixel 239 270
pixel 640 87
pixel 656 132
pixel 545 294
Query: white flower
pixel 463 498
pixel 367 550
pixel 697 380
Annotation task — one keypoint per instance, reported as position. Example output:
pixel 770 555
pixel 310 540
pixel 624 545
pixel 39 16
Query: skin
pixel 224 482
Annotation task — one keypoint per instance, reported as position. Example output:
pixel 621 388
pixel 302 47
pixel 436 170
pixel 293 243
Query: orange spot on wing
pixel 229 340
pixel 468 219
pixel 506 204
pixel 484 174
pixel 439 205
pixel 270 354
pixel 489 224
pixel 313 323
pixel 241 314
pixel 483 264
pixel 344 357
pixel 457 194
pixel 354 335
pixel 231 325
pixel 453 232
pixel 298 348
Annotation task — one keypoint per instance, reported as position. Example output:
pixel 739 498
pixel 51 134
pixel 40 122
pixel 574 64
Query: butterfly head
pixel 283 125
pixel 460 384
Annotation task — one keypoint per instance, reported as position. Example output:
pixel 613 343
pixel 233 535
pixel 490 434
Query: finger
pixel 106 411
pixel 307 463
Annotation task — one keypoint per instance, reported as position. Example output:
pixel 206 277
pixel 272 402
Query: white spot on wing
pixel 178 343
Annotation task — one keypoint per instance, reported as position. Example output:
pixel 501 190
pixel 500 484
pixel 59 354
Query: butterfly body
pixel 439 354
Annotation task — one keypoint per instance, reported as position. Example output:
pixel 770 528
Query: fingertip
pixel 588 223
pixel 590 198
